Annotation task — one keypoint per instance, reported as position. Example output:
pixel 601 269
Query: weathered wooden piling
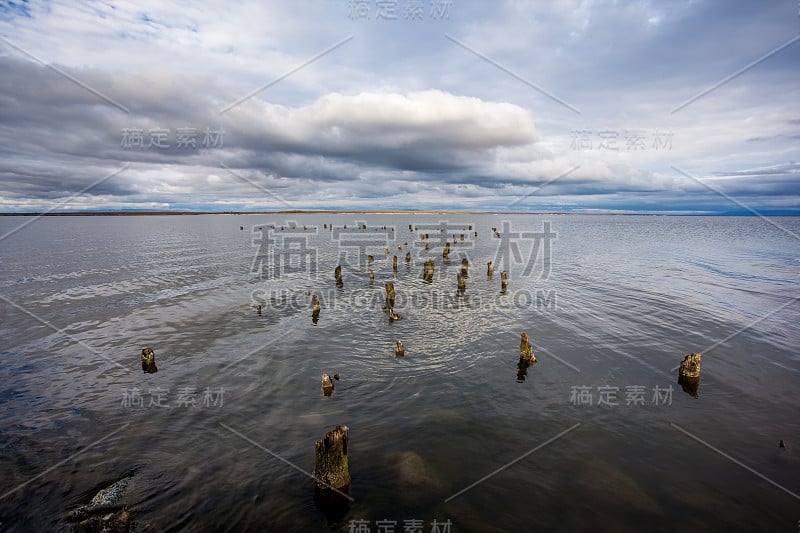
pixel 258 310
pixel 330 460
pixel 525 349
pixel 408 257
pixel 446 251
pixel 489 269
pixel 462 283
pixel 149 361
pixel 399 349
pixel 337 273
pixel 390 295
pixel 315 302
pixel 503 282
pixel 465 267
pixel 427 270
pixel 327 385
pixel 394 263
pixel 689 374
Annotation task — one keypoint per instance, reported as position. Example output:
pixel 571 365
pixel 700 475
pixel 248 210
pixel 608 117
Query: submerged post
pixel 489 269
pixel 390 295
pixel 330 460
pixel 503 282
pixel 689 374
pixel 427 270
pixel 149 361
pixel 337 273
pixel 525 349
pixel 465 267
pixel 327 385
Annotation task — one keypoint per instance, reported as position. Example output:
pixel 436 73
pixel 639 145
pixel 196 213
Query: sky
pixel 668 107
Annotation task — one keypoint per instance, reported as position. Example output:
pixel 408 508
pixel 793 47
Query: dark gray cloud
pixel 399 116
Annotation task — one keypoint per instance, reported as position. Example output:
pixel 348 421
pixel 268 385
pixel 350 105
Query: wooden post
pixel 327 385
pixel 149 361
pixel 689 374
pixel 337 273
pixel 330 460
pixel 525 349
pixel 389 295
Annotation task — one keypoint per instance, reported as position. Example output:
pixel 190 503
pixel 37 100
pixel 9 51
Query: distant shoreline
pixel 302 212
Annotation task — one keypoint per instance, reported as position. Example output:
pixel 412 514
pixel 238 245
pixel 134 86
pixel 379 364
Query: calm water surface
pixel 611 311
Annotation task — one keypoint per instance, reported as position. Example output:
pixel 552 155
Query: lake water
pixel 611 303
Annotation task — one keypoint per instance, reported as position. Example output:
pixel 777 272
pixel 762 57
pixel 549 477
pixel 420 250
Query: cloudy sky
pixel 686 106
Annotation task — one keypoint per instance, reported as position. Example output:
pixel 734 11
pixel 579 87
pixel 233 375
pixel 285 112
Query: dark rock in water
pixel 105 513
pixel 241 228
pixel 327 385
pixel 525 349
pixel 390 295
pixel 400 350
pixel 111 522
pixel 690 366
pixel 782 444
pixel 415 480
pixel 330 460
pixel 149 361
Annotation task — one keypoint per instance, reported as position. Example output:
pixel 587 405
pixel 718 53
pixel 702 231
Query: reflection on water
pixel 624 299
